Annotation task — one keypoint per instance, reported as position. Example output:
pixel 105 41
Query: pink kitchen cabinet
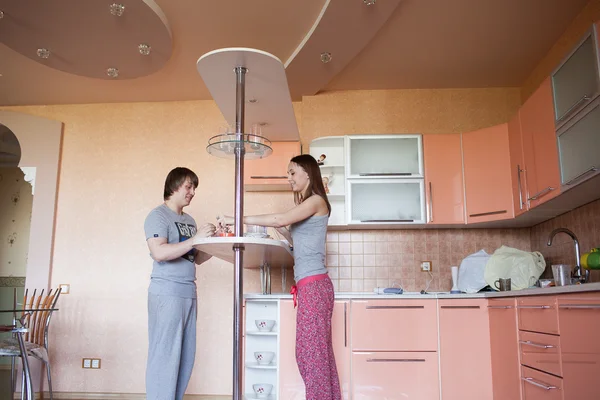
pixel 395 375
pixel 444 188
pixel 465 348
pixel 488 186
pixel 517 166
pixel 290 381
pixel 504 349
pixel 270 173
pixel 540 147
pixel 579 326
pixel 537 385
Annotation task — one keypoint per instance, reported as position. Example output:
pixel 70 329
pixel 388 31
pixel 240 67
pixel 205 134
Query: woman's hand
pixel 224 220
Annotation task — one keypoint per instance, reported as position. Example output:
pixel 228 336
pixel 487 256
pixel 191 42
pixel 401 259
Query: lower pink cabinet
pixel 504 349
pixel 395 375
pixel 290 381
pixel 465 361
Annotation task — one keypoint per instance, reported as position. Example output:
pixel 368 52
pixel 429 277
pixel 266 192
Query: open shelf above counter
pixel 257 251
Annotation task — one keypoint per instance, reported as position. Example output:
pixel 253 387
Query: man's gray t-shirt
pixel 175 277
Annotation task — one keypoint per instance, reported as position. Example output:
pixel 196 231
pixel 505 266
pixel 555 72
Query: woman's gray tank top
pixel 309 238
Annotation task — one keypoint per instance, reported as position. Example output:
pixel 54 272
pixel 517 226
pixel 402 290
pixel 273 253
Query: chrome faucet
pixel 577 273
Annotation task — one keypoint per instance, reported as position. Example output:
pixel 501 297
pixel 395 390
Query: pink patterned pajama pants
pixel 314 351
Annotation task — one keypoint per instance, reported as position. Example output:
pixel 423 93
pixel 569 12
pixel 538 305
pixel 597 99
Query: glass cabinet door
pixel 579 146
pixel 386 156
pixel 381 201
pixel 575 82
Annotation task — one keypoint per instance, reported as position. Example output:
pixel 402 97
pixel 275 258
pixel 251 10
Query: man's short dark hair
pixel 176 178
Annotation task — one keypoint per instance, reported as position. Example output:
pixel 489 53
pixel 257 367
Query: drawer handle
pixel 395 360
pixel 541 193
pixel 592 169
pixel 534 344
pixel 580 306
pixel 386 174
pixel 538 384
pixel 268 177
pixel 500 307
pixel 459 307
pixel 392 307
pixel 387 220
pixel 488 213
pixel 535 307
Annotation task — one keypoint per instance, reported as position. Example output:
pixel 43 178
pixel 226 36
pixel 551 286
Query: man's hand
pixel 206 230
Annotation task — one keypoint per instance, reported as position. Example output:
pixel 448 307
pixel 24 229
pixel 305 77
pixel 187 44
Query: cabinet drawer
pixel 540 386
pixel 409 376
pixel 540 351
pixel 394 325
pixel 538 314
pixel 579 323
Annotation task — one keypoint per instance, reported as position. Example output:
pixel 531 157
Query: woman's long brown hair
pixel 315 185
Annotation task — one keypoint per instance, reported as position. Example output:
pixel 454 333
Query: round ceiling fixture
pixel 86 36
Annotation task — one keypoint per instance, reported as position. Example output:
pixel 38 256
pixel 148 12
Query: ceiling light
pixel 252 101
pixel 325 57
pixel 43 53
pixel 112 72
pixel 116 9
pixel 369 2
pixel 1 14
pixel 144 49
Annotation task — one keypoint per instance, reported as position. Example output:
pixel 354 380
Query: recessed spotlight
pixel 325 57
pixel 144 49
pixel 112 72
pixel 252 101
pixel 369 2
pixel 263 123
pixel 43 53
pixel 1 14
pixel 116 9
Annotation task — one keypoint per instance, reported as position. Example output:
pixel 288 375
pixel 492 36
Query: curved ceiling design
pixel 390 44
pixel 93 38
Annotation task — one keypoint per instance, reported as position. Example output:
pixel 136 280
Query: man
pixel 172 293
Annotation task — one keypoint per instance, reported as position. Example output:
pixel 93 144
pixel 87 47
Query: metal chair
pixel 34 317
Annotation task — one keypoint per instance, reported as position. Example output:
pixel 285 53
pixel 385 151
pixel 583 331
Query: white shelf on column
pixel 268 98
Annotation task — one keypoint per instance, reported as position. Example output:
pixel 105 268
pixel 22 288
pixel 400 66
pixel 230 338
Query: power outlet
pixel 426 266
pixel 86 363
pixel 65 288
pixel 96 363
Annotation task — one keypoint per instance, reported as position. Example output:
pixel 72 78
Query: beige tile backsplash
pixel 359 261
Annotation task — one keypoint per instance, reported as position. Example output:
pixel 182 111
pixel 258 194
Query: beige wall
pixel 581 24
pixel 15 220
pixel 114 161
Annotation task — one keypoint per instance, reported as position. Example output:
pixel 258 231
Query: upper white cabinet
pixel 385 156
pixel 575 82
pixel 331 155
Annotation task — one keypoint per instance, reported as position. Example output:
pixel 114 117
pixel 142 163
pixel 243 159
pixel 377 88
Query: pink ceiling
pixel 419 44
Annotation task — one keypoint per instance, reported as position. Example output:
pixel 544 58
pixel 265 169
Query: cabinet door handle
pixel 461 307
pixel 345 324
pixel 541 193
pixel 535 307
pixel 387 220
pixel 580 306
pixel 430 203
pixel 396 360
pixel 488 213
pixel 519 170
pixel 592 169
pixel 393 307
pixel 574 107
pixel 500 307
pixel 386 174
pixel 538 384
pixel 534 344
pixel 267 177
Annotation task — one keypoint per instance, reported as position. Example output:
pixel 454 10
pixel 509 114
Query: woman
pixel 308 230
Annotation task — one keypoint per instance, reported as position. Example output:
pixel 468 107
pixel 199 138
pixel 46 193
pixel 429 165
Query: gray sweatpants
pixel 172 346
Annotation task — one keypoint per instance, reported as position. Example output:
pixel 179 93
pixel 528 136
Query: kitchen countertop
pixel 587 287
